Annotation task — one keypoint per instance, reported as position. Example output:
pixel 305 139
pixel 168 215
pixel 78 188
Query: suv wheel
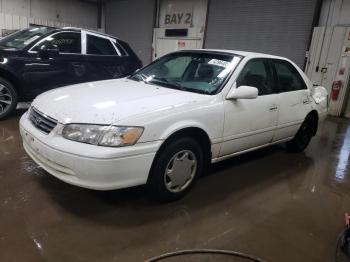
pixel 175 169
pixel 8 98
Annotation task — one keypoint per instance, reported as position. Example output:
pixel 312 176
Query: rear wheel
pixel 303 137
pixel 175 169
pixel 8 98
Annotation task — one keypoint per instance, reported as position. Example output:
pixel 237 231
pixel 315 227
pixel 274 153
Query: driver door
pixel 42 73
pixel 251 123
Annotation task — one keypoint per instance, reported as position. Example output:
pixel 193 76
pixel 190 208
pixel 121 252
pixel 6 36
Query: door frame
pixel 249 134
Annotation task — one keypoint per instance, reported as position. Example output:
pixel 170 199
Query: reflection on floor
pixel 270 203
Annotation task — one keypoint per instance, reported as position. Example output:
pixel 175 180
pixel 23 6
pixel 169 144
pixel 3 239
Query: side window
pixel 67 42
pixel 288 77
pixel 257 73
pixel 99 46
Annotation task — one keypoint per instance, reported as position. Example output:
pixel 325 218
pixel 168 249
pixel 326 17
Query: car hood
pixel 107 102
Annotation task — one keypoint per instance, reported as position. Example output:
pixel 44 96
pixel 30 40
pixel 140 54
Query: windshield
pixel 21 39
pixel 199 72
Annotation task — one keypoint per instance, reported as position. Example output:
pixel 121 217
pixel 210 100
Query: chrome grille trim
pixel 41 121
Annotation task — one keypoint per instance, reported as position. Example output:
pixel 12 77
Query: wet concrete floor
pixel 273 204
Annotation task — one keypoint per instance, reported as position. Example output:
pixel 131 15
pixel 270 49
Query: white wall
pixel 335 12
pixel 73 12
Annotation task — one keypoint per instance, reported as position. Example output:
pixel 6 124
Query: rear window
pixel 288 77
pixel 99 46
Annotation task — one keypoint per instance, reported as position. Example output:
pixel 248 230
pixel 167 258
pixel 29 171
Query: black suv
pixel 37 59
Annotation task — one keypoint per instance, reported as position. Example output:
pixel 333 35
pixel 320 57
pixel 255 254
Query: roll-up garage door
pixel 278 27
pixel 132 21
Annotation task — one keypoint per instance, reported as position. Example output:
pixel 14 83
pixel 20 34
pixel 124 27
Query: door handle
pixel 273 108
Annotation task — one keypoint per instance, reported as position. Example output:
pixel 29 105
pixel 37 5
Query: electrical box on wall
pixel 166 41
pixel 181 25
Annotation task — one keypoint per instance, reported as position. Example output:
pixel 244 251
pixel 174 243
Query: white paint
pixel 164 45
pixel 233 126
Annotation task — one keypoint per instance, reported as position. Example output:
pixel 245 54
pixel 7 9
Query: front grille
pixel 41 121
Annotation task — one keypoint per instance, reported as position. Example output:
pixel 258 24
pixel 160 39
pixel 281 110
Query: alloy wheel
pixel 5 99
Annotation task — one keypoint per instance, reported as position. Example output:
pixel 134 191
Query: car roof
pixel 87 30
pixel 240 53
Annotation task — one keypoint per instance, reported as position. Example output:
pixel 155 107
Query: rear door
pixel 294 97
pixel 105 58
pixel 251 123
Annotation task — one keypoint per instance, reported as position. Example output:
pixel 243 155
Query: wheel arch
pixel 197 133
pixel 11 77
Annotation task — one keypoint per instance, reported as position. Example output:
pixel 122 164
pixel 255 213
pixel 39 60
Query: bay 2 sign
pixel 177 14
pixel 184 19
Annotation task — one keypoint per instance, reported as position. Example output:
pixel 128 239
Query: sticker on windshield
pixel 219 62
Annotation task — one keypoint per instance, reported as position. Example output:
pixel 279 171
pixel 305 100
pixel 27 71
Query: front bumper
pixel 85 165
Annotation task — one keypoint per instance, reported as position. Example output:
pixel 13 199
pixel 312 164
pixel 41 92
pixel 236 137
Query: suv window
pixel 288 77
pixel 257 73
pixel 67 42
pixel 99 46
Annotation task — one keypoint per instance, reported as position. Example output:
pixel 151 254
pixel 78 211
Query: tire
pixel 175 169
pixel 8 98
pixel 303 136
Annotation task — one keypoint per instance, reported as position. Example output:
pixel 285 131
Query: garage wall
pixel 75 12
pixel 132 21
pixel 279 27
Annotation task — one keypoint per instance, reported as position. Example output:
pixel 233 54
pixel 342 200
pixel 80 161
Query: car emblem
pixel 37 121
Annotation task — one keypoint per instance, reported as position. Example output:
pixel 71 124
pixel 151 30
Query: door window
pixel 257 73
pixel 67 42
pixel 99 46
pixel 288 77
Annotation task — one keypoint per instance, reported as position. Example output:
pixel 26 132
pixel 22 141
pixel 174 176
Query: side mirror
pixel 243 92
pixel 46 51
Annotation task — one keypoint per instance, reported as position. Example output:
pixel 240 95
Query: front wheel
pixel 175 169
pixel 303 137
pixel 8 98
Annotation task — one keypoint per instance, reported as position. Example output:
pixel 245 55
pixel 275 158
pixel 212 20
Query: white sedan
pixel 164 124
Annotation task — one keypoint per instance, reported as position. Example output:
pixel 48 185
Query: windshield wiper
pixel 163 80
pixel 171 84
pixel 199 91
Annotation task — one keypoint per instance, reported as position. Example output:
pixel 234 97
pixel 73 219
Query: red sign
pixel 181 44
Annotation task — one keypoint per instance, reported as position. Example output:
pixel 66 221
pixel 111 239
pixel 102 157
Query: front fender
pixel 172 129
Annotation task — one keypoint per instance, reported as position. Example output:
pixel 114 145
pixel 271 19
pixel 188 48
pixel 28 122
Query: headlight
pixel 102 135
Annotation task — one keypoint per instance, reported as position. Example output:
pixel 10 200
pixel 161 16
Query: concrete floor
pixel 270 203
